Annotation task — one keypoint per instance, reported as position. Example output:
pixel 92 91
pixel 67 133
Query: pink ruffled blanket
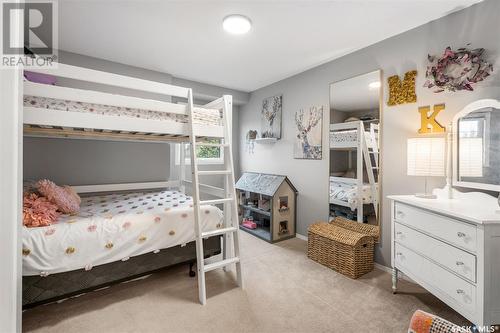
pixel 38 211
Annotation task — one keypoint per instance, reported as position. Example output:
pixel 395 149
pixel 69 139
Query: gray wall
pixel 477 25
pixel 84 162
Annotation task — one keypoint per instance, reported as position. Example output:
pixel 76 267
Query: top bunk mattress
pixel 205 117
pixel 114 227
pixel 347 138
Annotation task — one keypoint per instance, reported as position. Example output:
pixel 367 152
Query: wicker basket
pixel 346 251
pixel 367 229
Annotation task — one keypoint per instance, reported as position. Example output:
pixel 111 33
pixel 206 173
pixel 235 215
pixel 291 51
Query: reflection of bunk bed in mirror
pixel 147 217
pixel 357 190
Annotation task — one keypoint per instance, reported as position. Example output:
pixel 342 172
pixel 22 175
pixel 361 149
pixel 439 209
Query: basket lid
pixel 363 228
pixel 339 234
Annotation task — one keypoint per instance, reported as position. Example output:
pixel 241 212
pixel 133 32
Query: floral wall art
pixel 308 125
pixel 271 117
pixel 457 70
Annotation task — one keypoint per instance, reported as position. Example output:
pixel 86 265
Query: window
pixel 474 144
pixel 205 154
pixel 471 128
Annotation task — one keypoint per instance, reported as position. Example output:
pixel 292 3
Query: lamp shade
pixel 426 157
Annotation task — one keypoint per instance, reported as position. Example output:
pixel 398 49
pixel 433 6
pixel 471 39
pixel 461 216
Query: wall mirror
pixel 355 113
pixel 476 149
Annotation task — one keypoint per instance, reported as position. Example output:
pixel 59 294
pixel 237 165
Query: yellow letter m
pixel 402 92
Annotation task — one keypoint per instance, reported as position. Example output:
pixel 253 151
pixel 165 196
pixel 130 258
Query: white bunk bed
pixel 355 192
pixel 57 111
pixel 65 112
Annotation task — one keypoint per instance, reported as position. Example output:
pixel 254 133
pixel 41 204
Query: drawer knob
pixel 461 234
pixel 400 214
pixel 460 291
pixel 399 254
pixel 459 263
pixel 399 233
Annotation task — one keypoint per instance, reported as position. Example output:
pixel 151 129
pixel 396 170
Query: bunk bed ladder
pixel 229 231
pixel 370 141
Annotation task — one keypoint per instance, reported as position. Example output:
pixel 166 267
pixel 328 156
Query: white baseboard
pixel 299 236
pixel 382 267
pixel 401 275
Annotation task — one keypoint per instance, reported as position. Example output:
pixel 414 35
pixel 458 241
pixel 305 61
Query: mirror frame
pixel 474 106
pixel 381 148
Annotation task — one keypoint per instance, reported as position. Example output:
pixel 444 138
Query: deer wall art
pixel 309 133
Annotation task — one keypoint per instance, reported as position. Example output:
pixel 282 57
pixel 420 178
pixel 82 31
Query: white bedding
pixel 348 192
pixel 114 227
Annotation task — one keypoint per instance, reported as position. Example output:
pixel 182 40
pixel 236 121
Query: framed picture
pixel 271 117
pixel 308 138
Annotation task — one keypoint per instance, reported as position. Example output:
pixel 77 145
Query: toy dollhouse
pixel 267 206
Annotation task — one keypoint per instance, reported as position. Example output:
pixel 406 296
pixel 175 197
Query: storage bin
pixel 342 249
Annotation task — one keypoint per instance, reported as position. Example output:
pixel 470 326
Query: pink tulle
pixel 65 198
pixel 38 211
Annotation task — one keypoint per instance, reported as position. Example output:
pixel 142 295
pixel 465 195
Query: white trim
pixel 124 186
pixel 299 236
pixel 90 75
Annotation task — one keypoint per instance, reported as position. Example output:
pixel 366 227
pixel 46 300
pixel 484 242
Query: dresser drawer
pixel 453 231
pixel 461 291
pixel 459 261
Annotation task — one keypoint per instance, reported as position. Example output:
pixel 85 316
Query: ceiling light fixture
pixel 236 24
pixel 374 85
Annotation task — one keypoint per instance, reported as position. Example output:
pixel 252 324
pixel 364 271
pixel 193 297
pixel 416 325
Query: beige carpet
pixel 284 292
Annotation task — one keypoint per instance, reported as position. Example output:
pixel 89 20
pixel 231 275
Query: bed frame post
pixel 226 241
pixel 182 166
pixel 359 170
pixel 11 198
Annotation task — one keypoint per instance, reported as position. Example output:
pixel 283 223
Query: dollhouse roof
pixel 262 183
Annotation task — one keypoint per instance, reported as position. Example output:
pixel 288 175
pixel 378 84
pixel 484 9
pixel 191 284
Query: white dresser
pixel 451 247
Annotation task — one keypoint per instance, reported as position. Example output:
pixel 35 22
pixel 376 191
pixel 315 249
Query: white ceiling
pixel 185 38
pixel 355 94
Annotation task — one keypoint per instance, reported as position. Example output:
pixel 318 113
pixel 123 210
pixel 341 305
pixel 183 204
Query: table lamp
pixel 426 157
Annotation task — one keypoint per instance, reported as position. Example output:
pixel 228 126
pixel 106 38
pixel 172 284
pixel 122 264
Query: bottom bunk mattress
pixel 114 227
pixel 39 290
pixel 346 192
